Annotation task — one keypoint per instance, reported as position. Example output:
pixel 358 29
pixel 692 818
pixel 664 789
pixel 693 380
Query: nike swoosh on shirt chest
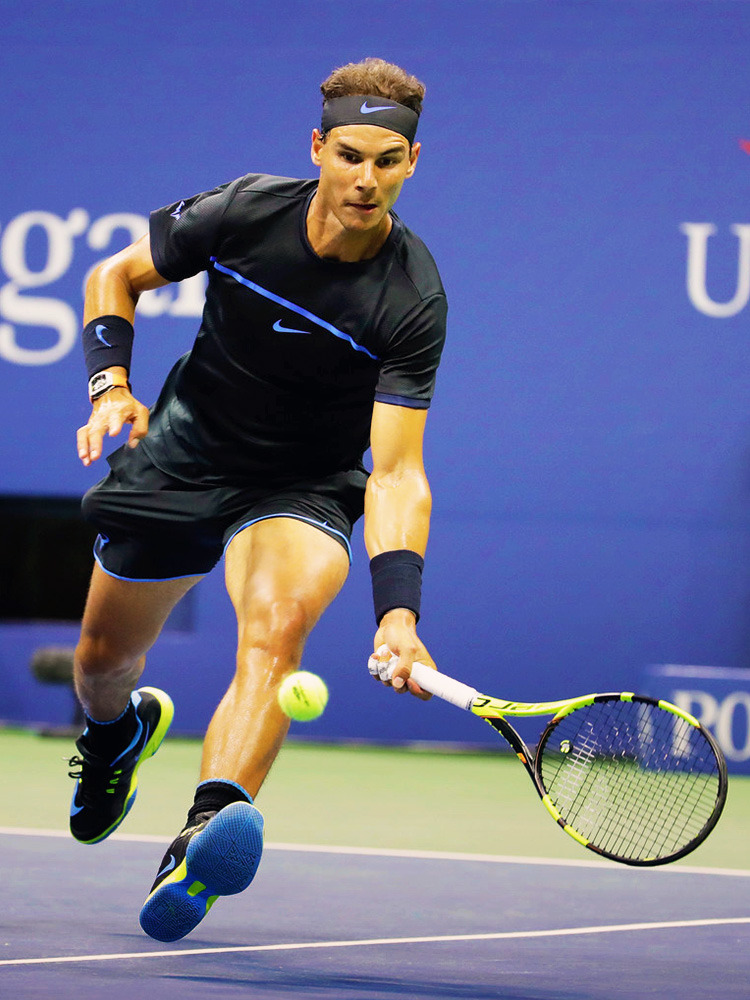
pixel 280 328
pixel 298 310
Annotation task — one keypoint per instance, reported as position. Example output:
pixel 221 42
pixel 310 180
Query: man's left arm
pixel 398 504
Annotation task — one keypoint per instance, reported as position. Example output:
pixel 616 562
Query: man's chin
pixel 363 222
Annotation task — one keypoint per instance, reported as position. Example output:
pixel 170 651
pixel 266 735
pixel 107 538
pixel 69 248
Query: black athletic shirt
pixel 292 348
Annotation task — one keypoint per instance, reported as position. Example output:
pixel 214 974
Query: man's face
pixel 362 169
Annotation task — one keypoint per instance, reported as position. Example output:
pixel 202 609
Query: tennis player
pixel 322 333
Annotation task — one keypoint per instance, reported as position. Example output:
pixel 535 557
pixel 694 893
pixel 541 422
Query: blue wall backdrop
pixel 584 188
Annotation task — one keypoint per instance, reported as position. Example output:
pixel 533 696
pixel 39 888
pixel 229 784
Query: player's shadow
pixel 332 987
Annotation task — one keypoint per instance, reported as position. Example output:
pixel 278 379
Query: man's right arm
pixel 113 289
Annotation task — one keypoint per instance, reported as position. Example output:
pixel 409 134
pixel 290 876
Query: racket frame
pixel 495 710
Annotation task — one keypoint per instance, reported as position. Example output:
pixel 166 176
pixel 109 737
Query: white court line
pixel 395 852
pixel 371 942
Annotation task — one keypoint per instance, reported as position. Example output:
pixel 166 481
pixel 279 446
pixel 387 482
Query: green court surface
pixel 354 796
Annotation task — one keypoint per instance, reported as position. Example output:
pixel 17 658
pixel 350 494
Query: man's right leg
pixel 122 620
pixel 281 575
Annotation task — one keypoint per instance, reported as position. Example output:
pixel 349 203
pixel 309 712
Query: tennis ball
pixel 303 696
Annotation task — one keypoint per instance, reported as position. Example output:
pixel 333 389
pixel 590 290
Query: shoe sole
pixel 152 744
pixel 221 860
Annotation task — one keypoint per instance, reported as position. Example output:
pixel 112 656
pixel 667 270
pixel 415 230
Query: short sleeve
pixel 184 234
pixel 409 369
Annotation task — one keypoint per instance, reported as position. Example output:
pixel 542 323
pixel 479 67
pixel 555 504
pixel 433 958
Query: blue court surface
pixel 336 923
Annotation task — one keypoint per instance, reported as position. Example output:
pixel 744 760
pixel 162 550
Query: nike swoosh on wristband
pixel 287 329
pixel 367 110
pixel 169 866
pixel 98 331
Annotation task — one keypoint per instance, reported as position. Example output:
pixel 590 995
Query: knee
pixel 275 630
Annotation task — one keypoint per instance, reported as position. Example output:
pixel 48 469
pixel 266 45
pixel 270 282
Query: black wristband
pixel 396 581
pixel 107 341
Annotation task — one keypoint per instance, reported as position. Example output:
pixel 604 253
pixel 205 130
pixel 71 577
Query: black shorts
pixel 154 527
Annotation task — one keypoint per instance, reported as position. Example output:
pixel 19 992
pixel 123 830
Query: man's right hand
pixel 109 415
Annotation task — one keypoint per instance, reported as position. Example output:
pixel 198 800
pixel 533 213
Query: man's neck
pixel 331 241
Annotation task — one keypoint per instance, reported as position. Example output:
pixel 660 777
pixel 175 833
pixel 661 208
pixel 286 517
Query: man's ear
pixel 316 146
pixel 413 157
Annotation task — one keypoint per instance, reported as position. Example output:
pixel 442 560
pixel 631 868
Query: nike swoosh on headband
pixel 367 110
pixel 287 329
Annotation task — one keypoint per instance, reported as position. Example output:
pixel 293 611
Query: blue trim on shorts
pixel 142 579
pixel 412 404
pixel 325 528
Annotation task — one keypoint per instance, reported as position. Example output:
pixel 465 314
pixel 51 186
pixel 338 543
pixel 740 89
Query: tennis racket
pixel 634 779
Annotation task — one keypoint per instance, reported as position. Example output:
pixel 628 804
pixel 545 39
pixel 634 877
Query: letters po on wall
pixel 38 250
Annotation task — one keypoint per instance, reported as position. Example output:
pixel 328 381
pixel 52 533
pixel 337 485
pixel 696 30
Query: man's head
pixel 365 146
pixel 395 97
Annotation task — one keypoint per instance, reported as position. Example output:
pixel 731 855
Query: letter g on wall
pixel 36 311
pixel 697 252
pixel 37 248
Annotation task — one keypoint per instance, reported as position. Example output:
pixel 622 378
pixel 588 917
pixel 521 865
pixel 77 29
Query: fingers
pixel 395 671
pixel 115 423
pixel 413 688
pixel 401 676
pixel 417 691
pixel 379 663
pixel 140 427
pixel 109 416
pixel 89 443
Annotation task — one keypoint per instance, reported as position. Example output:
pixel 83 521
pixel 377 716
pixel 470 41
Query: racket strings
pixel 665 814
pixel 633 779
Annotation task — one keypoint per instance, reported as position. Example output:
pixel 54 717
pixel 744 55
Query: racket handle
pixel 445 687
pixel 432 681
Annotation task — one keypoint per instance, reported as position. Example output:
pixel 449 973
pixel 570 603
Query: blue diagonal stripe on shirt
pixel 294 308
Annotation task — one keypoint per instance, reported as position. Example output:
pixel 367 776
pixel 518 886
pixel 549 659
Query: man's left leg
pixel 281 575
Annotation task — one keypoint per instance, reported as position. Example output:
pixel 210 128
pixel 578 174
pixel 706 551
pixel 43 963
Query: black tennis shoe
pixel 217 855
pixel 106 789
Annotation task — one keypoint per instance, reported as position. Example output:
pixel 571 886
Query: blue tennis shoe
pixel 217 855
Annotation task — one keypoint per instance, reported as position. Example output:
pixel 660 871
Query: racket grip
pixel 432 681
pixel 445 687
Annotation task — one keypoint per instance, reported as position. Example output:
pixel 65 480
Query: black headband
pixel 369 110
